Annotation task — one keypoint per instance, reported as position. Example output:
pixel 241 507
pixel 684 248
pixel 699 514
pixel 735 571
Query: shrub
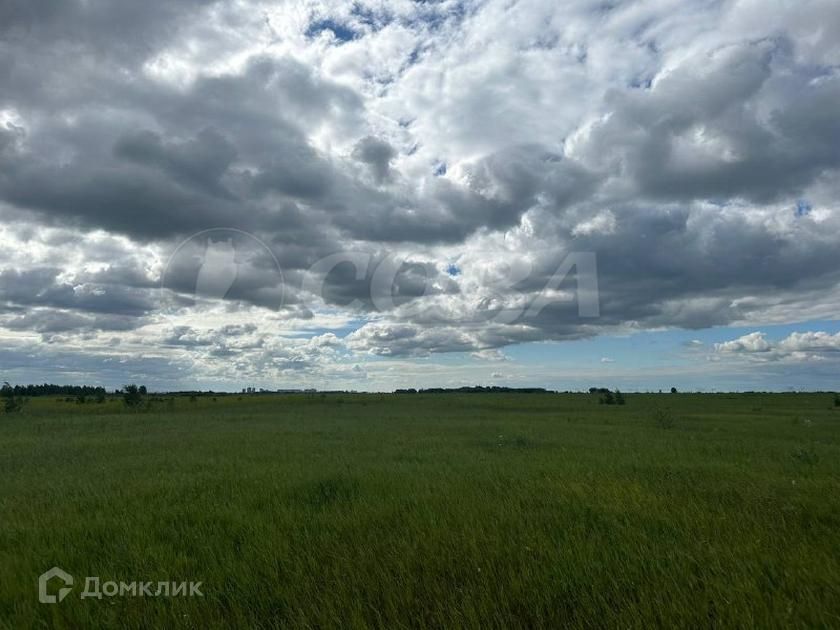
pixel 607 398
pixel 132 396
pixel 837 400
pixel 11 402
pixel 610 398
pixel 673 390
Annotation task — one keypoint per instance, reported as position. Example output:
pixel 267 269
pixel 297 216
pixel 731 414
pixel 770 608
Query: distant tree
pixel 11 401
pixel 132 396
pixel 619 397
pixel 608 398
pixel 143 390
pixel 837 400
pixel 673 390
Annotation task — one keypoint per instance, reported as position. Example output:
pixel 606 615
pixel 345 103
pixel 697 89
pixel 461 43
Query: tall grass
pixel 505 511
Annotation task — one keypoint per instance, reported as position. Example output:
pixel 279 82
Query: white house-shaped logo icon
pixel 43 581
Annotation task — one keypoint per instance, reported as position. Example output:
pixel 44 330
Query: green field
pixel 476 510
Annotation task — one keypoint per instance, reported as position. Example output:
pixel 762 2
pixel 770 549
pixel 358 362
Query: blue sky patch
pixel 342 32
pixel 803 208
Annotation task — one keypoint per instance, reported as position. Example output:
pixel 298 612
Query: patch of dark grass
pixel 806 456
pixel 516 442
pixel 664 419
pixel 328 491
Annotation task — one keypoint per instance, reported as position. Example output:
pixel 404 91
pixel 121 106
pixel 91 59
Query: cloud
pixel 703 137
pixel 200 161
pixel 751 343
pixel 799 346
pixel 377 154
pixel 674 142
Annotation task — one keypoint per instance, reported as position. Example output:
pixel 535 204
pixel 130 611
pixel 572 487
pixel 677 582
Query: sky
pixel 374 195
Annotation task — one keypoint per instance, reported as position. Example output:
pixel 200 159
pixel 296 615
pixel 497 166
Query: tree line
pixel 13 397
pixel 48 389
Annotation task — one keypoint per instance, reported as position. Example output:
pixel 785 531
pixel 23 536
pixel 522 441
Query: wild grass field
pixel 427 511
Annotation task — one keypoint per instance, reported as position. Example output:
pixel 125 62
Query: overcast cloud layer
pixel 462 148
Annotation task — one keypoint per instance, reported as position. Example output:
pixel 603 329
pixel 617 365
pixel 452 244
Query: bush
pixel 609 398
pixel 11 403
pixel 132 396
pixel 673 390
pixel 837 400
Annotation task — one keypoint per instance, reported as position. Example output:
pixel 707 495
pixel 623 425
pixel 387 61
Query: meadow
pixel 427 511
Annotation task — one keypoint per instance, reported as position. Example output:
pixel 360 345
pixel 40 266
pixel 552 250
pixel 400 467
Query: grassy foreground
pixel 434 511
